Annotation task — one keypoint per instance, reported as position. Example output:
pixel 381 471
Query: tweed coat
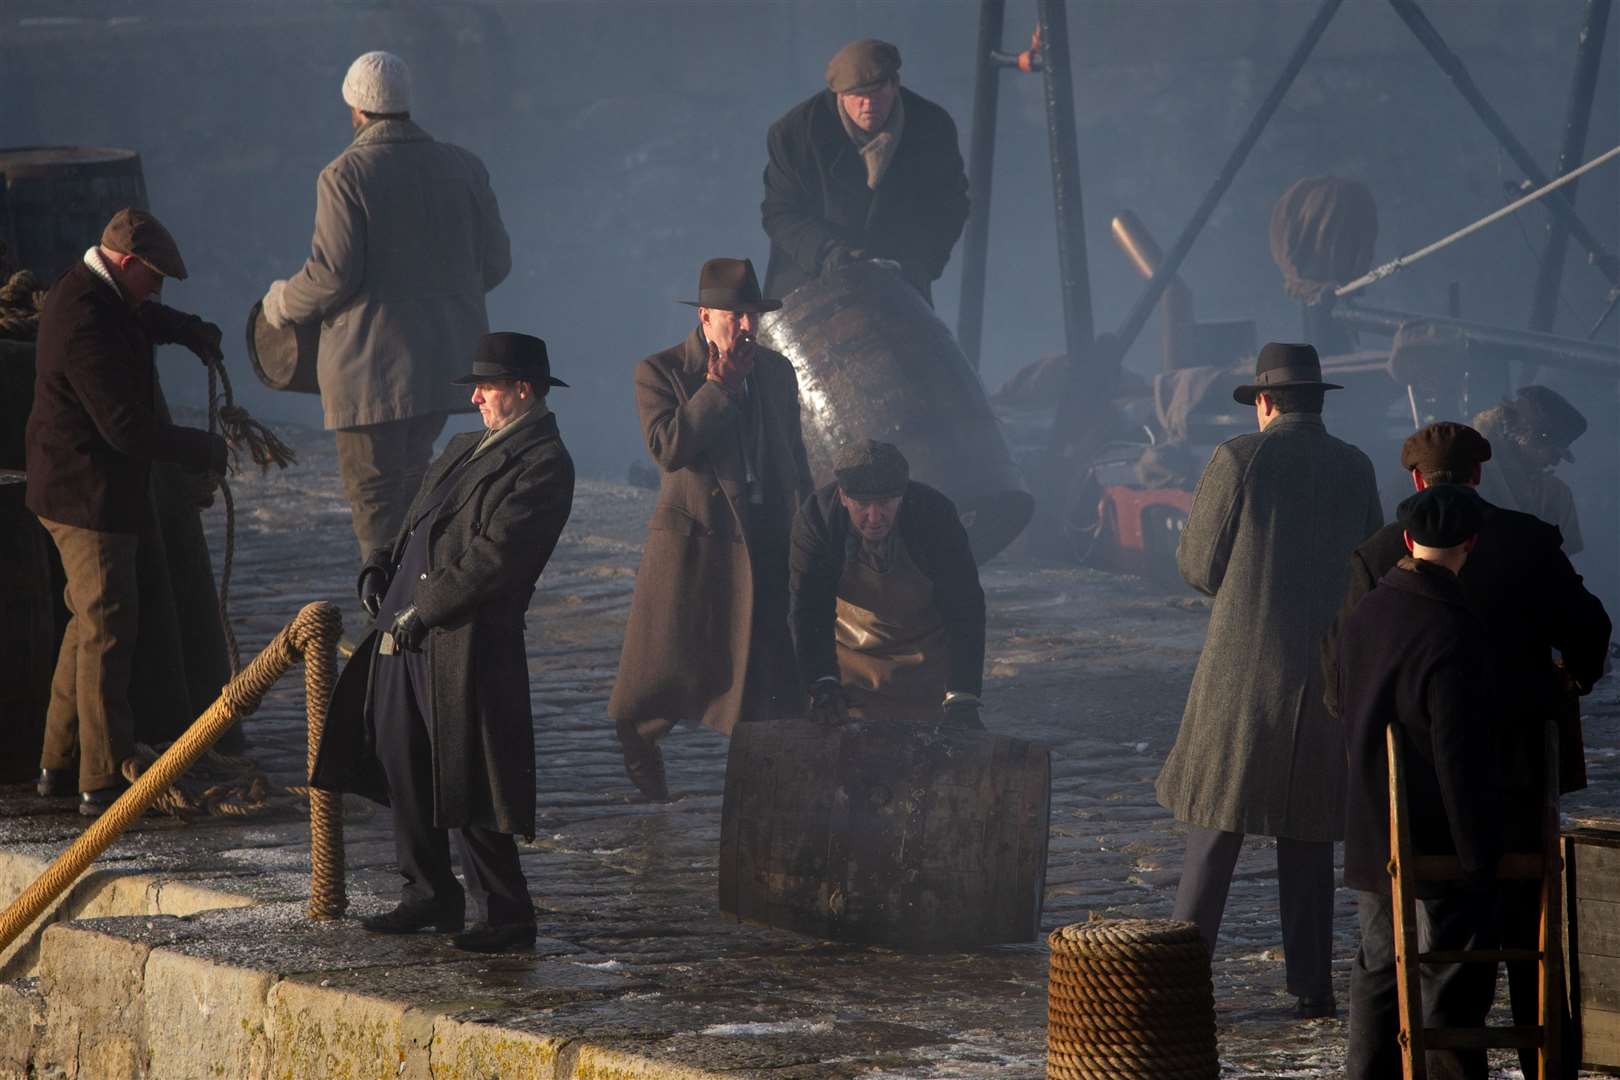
pixel 1274 519
pixel 492 537
pixel 691 626
pixel 408 239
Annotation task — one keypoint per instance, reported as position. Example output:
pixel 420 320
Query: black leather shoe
pixel 95 803
pixel 411 917
pixel 56 783
pixel 643 763
pixel 1316 1008
pixel 482 937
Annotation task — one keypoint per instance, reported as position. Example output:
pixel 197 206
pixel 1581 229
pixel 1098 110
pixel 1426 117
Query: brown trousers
pixel 382 465
pixel 89 718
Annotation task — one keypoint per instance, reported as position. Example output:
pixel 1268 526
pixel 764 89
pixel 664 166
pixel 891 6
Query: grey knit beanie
pixel 378 82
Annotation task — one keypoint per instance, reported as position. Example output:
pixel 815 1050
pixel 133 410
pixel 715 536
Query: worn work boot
pixel 408 918
pixel 57 783
pixel 1310 1008
pixel 95 803
pixel 482 937
pixel 643 762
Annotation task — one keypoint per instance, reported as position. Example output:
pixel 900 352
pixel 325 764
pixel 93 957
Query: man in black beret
pixel 1532 434
pixel 432 713
pixel 1520 581
pixel 886 608
pixel 1414 654
pixel 864 170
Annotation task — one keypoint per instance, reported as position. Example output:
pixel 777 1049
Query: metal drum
pixel 55 200
pixel 874 361
pixel 885 833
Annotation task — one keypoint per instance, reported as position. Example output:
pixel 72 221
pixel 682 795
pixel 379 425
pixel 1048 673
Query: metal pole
pixel 1570 354
pixel 1171 265
pixel 1559 203
pixel 981 170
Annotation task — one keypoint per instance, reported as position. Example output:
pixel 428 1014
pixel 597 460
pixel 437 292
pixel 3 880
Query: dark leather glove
pixel 372 588
pixel 828 706
pixel 203 339
pixel 840 257
pixel 962 711
pixel 409 631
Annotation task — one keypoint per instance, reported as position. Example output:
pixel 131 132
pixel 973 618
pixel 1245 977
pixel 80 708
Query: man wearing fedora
pixel 708 634
pixel 408 239
pixel 432 713
pixel 863 170
pixel 1274 518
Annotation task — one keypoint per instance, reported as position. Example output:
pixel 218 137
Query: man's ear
pixel 1407 537
pixel 1418 483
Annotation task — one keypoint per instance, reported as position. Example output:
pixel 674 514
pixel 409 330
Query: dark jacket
pixel 816 196
pixel 491 539
pixel 94 429
pixel 933 534
pixel 1415 655
pixel 1522 585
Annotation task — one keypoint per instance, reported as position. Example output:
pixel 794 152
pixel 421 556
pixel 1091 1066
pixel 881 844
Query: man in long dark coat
pixel 708 635
pixel 864 170
pixel 1416 656
pixel 1519 579
pixel 432 714
pixel 1273 519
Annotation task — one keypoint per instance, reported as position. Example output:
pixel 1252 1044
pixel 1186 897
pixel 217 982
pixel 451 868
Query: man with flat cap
pixel 432 713
pixel 886 606
pixel 1415 655
pixel 1531 434
pixel 1273 519
pixel 708 635
pixel 1520 582
pixel 94 431
pixel 864 170
pixel 408 239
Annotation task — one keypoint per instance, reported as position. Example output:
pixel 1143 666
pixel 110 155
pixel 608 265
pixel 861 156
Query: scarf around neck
pixel 877 148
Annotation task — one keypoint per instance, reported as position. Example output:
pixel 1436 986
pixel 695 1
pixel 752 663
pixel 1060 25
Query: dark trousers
pixel 1454 995
pixel 489 859
pixel 1305 893
pixel 381 466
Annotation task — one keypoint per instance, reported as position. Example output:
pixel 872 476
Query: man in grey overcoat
pixel 708 634
pixel 408 239
pixel 1274 519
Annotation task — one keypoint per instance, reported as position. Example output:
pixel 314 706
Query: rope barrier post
pixel 327 899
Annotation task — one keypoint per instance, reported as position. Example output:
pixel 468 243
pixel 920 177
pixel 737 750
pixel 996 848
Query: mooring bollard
pixel 1132 999
pixel 311 636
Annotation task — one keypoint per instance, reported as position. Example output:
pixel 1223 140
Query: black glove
pixel 409 631
pixel 962 711
pixel 828 706
pixel 841 256
pixel 372 588
pixel 203 339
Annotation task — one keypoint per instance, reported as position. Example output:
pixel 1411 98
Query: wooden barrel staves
pixel 55 200
pixel 885 834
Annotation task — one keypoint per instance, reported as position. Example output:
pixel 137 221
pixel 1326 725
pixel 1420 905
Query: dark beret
pixel 1442 516
pixel 138 233
pixel 1445 446
pixel 862 65
pixel 869 469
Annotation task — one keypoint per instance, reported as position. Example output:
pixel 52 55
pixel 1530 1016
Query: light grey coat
pixel 408 239
pixel 1274 520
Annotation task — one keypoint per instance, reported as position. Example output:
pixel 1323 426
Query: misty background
pixel 626 143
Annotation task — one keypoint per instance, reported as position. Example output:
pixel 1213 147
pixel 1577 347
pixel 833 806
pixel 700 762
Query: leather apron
pixel 890 640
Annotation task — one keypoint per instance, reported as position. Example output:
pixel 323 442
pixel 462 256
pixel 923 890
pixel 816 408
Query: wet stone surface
pixel 634 954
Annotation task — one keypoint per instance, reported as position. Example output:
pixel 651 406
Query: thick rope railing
pixel 311 636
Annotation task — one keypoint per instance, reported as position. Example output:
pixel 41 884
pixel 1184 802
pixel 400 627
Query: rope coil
pixel 1130 999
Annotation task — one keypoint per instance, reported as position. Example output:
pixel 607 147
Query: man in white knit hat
pixel 408 239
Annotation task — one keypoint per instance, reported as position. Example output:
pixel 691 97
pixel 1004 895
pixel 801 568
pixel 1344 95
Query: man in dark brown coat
pixel 92 436
pixel 708 634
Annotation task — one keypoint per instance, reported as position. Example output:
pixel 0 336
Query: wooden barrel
pixel 55 200
pixel 1592 894
pixel 885 833
pixel 874 361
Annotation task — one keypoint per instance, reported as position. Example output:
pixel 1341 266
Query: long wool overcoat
pixel 687 643
pixel 1274 520
pixel 491 539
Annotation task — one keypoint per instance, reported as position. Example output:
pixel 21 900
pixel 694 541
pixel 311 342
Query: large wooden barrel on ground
pixel 874 361
pixel 55 200
pixel 885 833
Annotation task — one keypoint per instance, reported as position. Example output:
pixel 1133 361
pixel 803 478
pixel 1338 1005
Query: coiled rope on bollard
pixel 311 636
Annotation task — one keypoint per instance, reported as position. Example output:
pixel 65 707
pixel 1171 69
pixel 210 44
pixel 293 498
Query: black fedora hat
pixel 730 285
pixel 1283 364
pixel 505 355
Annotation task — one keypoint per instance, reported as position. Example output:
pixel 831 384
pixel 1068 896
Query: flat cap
pixel 1549 417
pixel 138 233
pixel 1445 447
pixel 869 469
pixel 862 65
pixel 1442 516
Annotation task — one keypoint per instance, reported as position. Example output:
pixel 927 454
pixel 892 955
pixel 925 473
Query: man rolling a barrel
pixel 863 170
pixel 886 606
pixel 408 239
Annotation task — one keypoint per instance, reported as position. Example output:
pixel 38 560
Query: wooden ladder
pixel 1406 868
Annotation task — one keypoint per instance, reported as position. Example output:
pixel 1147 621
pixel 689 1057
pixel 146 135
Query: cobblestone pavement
pixel 634 950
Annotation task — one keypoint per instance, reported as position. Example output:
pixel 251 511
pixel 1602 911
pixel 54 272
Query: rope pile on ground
pixel 22 298
pixel 218 785
pixel 1130 999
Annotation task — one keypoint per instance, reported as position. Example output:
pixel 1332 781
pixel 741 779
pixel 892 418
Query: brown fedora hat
pixel 730 285
pixel 1283 364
